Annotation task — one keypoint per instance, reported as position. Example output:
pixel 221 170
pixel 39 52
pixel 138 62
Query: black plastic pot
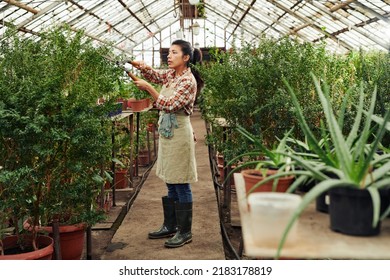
pixel 322 203
pixel 351 211
pixel 323 200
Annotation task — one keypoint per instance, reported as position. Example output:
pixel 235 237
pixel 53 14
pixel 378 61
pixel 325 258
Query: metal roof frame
pixel 349 24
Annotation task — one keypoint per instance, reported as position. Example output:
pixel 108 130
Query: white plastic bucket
pixel 269 214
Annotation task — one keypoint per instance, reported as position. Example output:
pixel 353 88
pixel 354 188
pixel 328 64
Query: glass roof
pixel 142 27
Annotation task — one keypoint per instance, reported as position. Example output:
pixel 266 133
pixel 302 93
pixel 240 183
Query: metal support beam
pixel 243 16
pixel 361 31
pixel 281 16
pixel 162 14
pixel 372 12
pixel 99 18
pixel 227 18
pixel 85 13
pixel 39 14
pixel 296 29
pixel 234 11
pixel 341 5
pixel 312 24
pixel 22 6
pixel 135 16
pixel 27 8
pixel 21 29
pixel 258 35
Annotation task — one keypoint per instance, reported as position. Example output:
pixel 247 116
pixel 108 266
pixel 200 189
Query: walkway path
pixel 130 241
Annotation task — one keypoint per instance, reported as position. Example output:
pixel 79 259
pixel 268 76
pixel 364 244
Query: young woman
pixel 176 164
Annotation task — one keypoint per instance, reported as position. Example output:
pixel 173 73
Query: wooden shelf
pixel 315 239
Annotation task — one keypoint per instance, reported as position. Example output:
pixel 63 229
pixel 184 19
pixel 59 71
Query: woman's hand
pixel 143 85
pixel 139 65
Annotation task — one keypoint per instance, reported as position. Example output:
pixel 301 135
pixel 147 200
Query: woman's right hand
pixel 139 65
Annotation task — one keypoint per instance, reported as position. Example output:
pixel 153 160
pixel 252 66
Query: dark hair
pixel 195 58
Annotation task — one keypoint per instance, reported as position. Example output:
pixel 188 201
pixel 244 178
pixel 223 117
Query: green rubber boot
pixel 168 228
pixel 184 224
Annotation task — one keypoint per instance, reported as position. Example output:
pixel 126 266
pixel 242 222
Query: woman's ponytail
pixel 197 60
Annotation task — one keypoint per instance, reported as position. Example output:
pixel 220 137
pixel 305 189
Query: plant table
pixel 129 115
pixel 227 188
pixel 138 118
pixel 315 239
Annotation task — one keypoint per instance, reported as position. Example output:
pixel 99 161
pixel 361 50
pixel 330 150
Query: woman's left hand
pixel 143 85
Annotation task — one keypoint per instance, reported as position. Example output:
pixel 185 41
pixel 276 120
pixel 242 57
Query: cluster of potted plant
pixel 54 140
pixel 361 175
pixel 350 168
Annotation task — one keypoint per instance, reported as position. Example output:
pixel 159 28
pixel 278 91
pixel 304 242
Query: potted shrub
pixel 16 203
pixel 55 140
pixel 361 172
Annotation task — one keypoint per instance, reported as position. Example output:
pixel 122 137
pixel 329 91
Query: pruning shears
pixel 121 65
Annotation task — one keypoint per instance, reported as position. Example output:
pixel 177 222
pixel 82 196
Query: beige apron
pixel 176 162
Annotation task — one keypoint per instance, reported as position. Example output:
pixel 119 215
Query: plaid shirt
pixel 184 89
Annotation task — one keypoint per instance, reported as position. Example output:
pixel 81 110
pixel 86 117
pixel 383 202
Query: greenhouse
pixel 195 130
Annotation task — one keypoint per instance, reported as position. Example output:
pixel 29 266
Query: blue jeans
pixel 180 192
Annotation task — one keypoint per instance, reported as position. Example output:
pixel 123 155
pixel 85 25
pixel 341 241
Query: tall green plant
pixel 246 88
pixel 54 139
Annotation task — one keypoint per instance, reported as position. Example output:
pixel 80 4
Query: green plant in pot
pixel 54 139
pixel 361 172
pixel 267 164
pixel 137 97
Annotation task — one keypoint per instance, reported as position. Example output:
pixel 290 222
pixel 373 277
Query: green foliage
pixel 246 88
pixel 201 9
pixel 373 70
pixel 128 89
pixel 53 138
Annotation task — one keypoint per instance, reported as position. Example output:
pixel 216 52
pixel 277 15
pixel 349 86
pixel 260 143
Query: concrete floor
pixel 130 241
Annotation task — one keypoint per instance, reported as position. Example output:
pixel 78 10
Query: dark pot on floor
pixel 351 211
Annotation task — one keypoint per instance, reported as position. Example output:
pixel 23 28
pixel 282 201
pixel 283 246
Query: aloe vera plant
pixel 353 159
pixel 276 158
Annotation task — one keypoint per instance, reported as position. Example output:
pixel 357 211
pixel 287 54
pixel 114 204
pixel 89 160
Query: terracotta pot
pixel 143 158
pixel 71 240
pixel 220 159
pixel 120 179
pixel 136 105
pixel 222 174
pixel 150 127
pixel 146 102
pixel 45 243
pixel 252 177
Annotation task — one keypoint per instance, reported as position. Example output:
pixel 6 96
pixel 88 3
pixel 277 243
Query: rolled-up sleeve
pixel 156 76
pixel 184 94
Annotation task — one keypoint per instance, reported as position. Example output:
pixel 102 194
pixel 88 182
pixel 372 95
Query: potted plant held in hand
pixel 140 99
